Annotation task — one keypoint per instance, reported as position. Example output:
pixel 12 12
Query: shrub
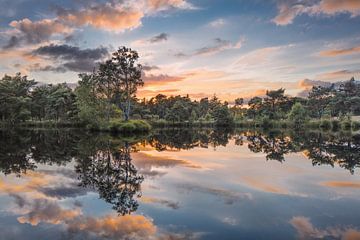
pixel 325 124
pixel 128 126
pixel 355 126
pixel 346 125
pixel 335 125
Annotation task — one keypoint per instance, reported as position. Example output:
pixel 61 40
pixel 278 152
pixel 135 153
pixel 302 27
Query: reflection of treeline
pixel 102 162
pixel 95 154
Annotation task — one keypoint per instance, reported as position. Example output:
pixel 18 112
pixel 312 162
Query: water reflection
pixel 55 166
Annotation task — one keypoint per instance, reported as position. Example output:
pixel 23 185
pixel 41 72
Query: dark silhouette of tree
pixel 110 172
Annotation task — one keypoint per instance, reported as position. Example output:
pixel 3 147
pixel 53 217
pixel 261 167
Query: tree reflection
pixel 103 162
pixel 110 172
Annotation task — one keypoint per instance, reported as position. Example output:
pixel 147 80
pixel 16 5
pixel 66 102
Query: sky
pixel 231 48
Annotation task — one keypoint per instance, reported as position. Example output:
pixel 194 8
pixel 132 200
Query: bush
pixel 129 126
pixel 346 125
pixel 335 125
pixel 355 126
pixel 325 124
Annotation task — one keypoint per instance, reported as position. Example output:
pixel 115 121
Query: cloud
pixel 217 23
pixel 147 68
pixel 36 32
pixel 263 186
pixel 306 230
pixel 162 37
pixel 288 10
pixel 219 46
pixel 340 75
pixel 162 79
pixel 111 16
pixel 166 203
pixel 13 42
pixel 160 5
pixel 341 184
pixel 108 16
pixel 46 211
pixel 340 52
pixel 70 58
pixel 147 163
pixel 307 84
pixel 229 197
pixel 159 38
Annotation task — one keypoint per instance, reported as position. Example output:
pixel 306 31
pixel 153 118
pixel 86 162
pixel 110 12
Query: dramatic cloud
pixel 340 52
pixel 290 9
pixel 36 32
pixel 111 16
pixel 71 58
pixel 107 16
pixel 46 211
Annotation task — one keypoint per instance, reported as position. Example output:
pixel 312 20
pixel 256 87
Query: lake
pixel 179 184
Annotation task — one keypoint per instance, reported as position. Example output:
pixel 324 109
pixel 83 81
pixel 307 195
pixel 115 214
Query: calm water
pixel 180 184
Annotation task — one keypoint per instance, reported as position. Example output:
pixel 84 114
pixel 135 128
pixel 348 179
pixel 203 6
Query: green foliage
pixel 15 98
pixel 222 116
pixel 298 114
pixel 325 124
pixel 129 126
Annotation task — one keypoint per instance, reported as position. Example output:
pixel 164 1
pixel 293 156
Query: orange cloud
pixel 306 230
pixel 144 160
pixel 260 185
pixel 105 16
pixel 339 75
pixel 289 10
pixel 162 79
pixel 341 184
pixel 336 6
pixel 48 212
pixel 340 52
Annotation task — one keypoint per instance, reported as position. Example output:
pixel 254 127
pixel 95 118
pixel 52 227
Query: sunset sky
pixel 231 48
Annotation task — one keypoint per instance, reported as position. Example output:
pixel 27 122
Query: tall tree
pixel 128 75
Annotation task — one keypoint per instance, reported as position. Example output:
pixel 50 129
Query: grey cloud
pixel 229 197
pixel 159 38
pixel 70 58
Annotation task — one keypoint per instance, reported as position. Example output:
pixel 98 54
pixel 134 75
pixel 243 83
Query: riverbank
pixel 143 126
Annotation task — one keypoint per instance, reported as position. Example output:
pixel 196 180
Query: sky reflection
pixel 215 189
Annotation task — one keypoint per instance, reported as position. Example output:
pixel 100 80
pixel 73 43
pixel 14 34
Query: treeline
pixel 106 99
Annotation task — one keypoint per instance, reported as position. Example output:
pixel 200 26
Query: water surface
pixel 179 184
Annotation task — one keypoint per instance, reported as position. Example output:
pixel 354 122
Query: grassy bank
pixel 142 126
pixel 115 126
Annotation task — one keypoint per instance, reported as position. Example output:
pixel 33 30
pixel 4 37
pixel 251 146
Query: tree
pixel 273 102
pixel 15 98
pixel 222 116
pixel 298 114
pixel 128 73
pixel 239 102
pixel 319 99
pixel 255 105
